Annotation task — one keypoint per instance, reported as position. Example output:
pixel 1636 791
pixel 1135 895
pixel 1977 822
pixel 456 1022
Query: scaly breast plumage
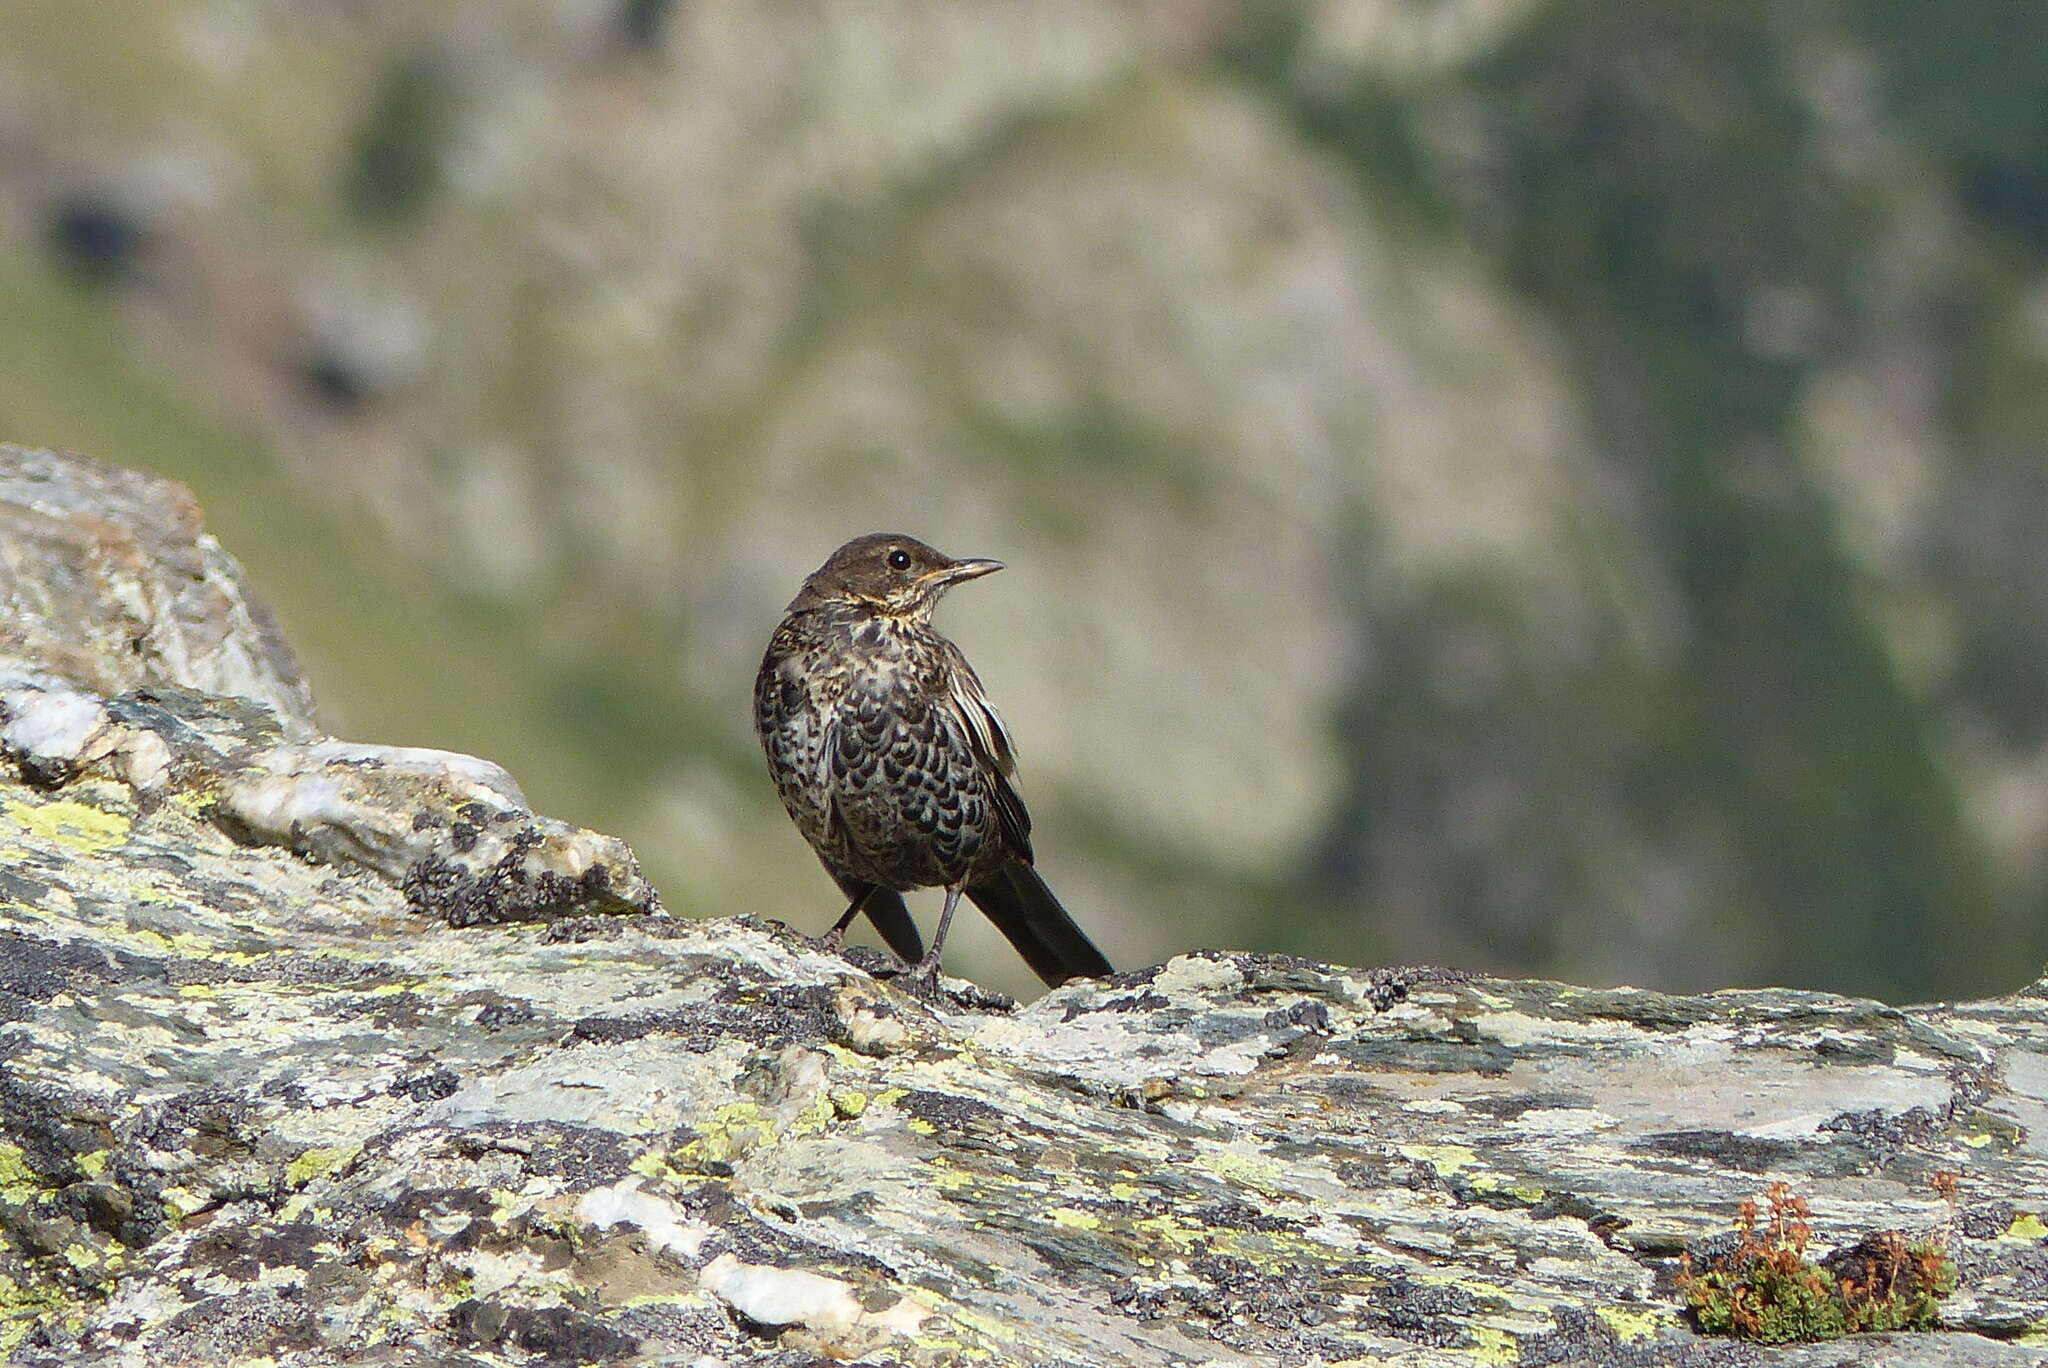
pixel 875 771
pixel 908 792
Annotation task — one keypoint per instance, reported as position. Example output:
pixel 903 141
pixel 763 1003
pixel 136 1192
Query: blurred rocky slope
pixel 319 1054
pixel 1523 484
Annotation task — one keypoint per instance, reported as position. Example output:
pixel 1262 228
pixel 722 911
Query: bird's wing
pixel 989 740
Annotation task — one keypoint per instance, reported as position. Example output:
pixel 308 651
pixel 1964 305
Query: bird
pixel 892 762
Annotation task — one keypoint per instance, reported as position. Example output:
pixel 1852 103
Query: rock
pixel 111 584
pixel 330 1054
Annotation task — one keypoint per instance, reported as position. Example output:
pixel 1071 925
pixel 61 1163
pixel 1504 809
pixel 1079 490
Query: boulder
pixel 317 1053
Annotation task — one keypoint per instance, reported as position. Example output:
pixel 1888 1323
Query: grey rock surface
pixel 320 1054
pixel 108 580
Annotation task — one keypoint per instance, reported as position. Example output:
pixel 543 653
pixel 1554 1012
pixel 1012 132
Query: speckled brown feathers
pixel 893 763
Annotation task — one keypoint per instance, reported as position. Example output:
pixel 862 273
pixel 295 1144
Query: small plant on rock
pixel 1767 1289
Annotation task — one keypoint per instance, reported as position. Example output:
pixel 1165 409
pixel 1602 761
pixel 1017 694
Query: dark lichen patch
pixel 1970 1083
pixel 502 1013
pixel 1434 1314
pixel 1374 1053
pixel 962 994
pixel 1648 1011
pixel 1387 986
pixel 1885 1135
pixel 581 930
pixel 951 1112
pixel 1510 1106
pixel 754 1240
pixel 1583 1340
pixel 34 970
pixel 244 1254
pixel 1243 1216
pixel 508 891
pixel 781 1016
pixel 516 887
pixel 1858 1049
pixel 212 1122
pixel 293 968
pixel 694 1334
pixel 1725 1149
pixel 403 1011
pixel 1307 1017
pixel 1128 1002
pixel 555 1333
pixel 1230 1300
pixel 426 1085
pixel 558 1149
pixel 1986 1220
pixel 1162 1009
pixel 1378 1172
pixel 52 1127
pixel 423 1203
pixel 1572 1206
pixel 2021 1267
pixel 107 1208
pixel 16 887
pixel 188 720
pixel 228 1329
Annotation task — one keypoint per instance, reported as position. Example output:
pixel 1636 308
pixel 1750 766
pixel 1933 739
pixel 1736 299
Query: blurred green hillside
pixel 1544 487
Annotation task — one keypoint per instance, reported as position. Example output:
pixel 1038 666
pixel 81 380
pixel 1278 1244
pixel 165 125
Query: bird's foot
pixel 832 942
pixel 920 978
pixel 925 970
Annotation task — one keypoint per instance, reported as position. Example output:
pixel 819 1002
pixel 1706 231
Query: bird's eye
pixel 899 559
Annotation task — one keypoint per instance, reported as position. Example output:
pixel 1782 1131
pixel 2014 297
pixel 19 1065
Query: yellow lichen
pixel 654 1164
pixel 1493 1346
pixel 2026 1228
pixel 732 1130
pixel 1171 1229
pixel 181 1202
pixel 1630 1326
pixel 1447 1160
pixel 17 1179
pixel 1253 1170
pixel 321 1160
pixel 61 822
pixel 817 1114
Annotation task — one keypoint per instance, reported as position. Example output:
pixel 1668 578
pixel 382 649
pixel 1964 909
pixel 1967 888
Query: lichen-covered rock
pixel 317 1054
pixel 109 581
pixel 258 1104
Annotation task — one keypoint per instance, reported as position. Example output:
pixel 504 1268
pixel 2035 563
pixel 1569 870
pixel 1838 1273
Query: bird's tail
pixel 1026 912
pixel 892 920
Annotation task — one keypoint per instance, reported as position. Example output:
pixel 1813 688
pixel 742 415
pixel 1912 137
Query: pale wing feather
pixel 989 739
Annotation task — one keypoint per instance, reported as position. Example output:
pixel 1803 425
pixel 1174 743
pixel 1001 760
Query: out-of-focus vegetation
pixel 1543 486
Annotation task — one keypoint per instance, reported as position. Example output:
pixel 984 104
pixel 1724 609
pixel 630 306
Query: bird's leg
pixel 835 940
pixel 928 967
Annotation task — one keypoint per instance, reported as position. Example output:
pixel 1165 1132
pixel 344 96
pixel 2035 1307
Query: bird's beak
pixel 962 570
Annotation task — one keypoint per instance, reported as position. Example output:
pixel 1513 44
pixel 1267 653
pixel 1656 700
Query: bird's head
pixel 890 574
